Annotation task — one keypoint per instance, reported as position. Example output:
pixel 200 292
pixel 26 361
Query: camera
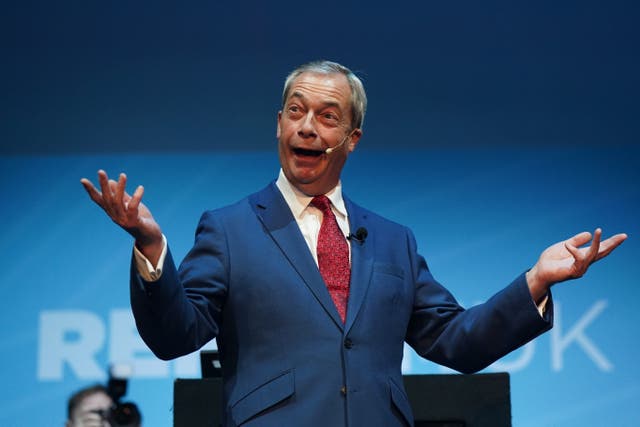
pixel 121 414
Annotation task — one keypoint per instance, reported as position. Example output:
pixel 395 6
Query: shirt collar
pixel 298 201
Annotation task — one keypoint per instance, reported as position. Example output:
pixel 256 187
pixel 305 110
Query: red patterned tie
pixel 333 256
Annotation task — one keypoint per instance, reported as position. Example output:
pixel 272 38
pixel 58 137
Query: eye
pixel 330 118
pixel 294 111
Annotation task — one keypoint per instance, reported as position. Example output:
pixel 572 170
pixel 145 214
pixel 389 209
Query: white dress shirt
pixel 308 217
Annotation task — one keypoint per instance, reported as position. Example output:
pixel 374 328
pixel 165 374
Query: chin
pixel 304 175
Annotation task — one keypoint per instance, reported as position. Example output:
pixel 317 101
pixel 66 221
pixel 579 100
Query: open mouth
pixel 309 153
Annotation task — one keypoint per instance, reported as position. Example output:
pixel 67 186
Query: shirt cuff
pixel 542 307
pixel 146 270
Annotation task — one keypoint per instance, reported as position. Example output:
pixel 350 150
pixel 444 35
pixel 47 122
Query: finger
pixel 610 244
pixel 117 205
pixel 580 262
pixel 579 239
pixel 122 183
pixel 103 179
pixel 574 251
pixel 134 203
pixel 93 192
pixel 594 248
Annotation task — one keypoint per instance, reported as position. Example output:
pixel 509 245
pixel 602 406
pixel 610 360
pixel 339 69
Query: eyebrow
pixel 325 103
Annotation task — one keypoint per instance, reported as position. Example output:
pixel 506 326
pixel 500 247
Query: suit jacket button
pixel 348 343
pixel 343 390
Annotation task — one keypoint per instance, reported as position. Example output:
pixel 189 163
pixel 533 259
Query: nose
pixel 307 127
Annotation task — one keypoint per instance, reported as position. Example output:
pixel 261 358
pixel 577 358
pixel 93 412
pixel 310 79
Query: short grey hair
pixel 358 95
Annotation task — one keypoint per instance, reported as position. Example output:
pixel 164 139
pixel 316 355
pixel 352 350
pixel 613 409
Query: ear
pixel 354 138
pixel 278 127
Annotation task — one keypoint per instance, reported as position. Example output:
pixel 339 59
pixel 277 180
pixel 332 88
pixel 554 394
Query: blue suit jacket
pixel 251 282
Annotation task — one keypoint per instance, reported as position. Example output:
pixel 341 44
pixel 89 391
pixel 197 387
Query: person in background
pixel 87 406
pixel 98 406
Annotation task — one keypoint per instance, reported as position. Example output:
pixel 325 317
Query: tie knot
pixel 322 203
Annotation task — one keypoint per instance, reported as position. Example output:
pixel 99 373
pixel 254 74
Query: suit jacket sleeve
pixel 181 312
pixel 469 340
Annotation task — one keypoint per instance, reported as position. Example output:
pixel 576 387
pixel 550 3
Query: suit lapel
pixel 361 262
pixel 275 215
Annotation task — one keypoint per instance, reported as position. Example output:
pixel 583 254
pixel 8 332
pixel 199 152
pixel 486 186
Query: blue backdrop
pixel 494 130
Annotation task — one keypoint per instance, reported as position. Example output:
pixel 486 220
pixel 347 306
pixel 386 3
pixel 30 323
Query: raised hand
pixel 569 260
pixel 128 212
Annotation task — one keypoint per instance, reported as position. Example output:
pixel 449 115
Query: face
pixel 87 413
pixel 316 116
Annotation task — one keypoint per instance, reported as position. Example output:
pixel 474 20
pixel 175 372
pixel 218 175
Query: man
pixel 86 407
pixel 93 406
pixel 310 325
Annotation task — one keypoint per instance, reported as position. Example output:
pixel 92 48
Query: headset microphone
pixel 334 148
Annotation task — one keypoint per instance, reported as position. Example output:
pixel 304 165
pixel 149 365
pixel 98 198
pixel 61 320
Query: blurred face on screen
pixel 316 116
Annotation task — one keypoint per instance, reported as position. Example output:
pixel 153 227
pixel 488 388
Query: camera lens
pixel 124 415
